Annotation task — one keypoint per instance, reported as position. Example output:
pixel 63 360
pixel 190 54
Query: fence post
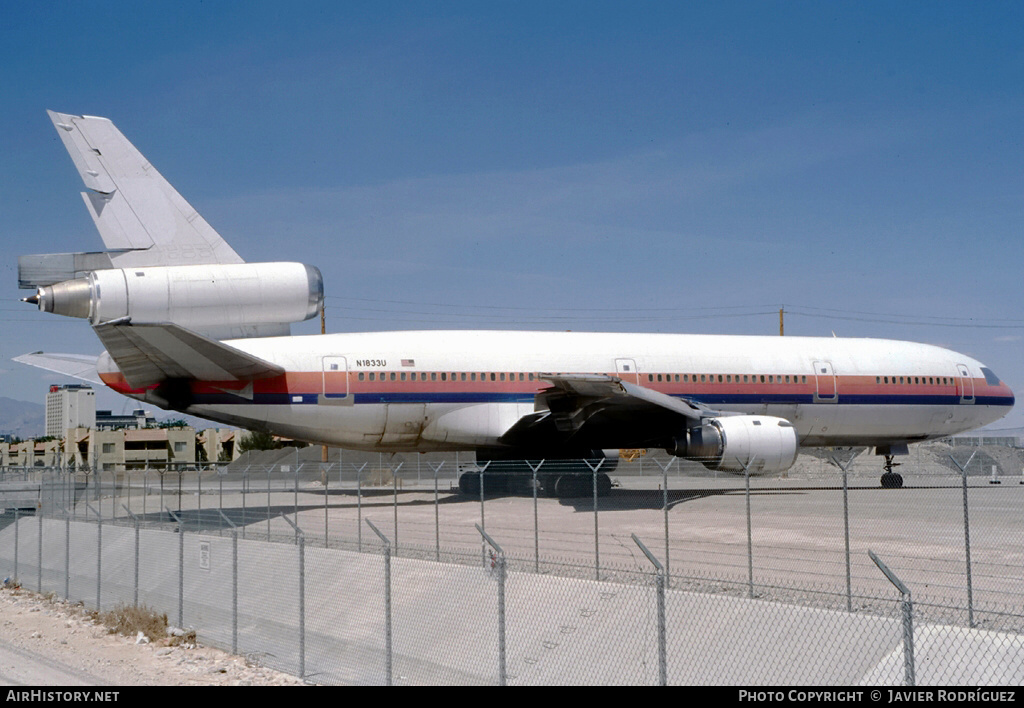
pixel 664 510
pixel 234 582
pixel 39 544
pixel 301 543
pixel 67 552
pixel 967 539
pixel 500 565
pixel 659 575
pixel 181 568
pixel 536 525
pixel 437 512
pixel 99 554
pixel 483 521
pixel 359 507
pixel 17 513
pixel 750 540
pixel 394 484
pixel 846 529
pixel 908 619
pixel 387 597
pixel 597 548
pixel 325 477
pixel 245 490
pixel 136 520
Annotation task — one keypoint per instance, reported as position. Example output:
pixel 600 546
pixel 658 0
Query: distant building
pixel 139 419
pixel 69 406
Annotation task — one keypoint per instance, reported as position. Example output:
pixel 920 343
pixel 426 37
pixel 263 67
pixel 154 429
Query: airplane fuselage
pixel 462 390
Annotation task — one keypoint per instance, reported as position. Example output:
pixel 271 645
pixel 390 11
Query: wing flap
pixel 617 391
pixel 597 410
pixel 151 353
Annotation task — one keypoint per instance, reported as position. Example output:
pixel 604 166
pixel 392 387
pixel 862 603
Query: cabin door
pixel 626 370
pixel 335 391
pixel 966 384
pixel 826 382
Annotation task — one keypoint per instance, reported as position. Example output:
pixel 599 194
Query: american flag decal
pixel 408 362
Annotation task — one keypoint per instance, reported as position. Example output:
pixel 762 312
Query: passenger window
pixel 403 376
pixel 433 376
pixel 393 377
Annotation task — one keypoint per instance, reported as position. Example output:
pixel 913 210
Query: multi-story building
pixel 69 406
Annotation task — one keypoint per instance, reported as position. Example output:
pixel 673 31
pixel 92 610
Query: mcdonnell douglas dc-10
pixel 189 326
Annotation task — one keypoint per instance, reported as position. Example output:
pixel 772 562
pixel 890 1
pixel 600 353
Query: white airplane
pixel 189 326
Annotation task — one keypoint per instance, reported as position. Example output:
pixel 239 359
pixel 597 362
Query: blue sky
pixel 572 165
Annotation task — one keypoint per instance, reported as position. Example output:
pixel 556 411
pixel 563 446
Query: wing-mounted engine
pixel 220 301
pixel 763 443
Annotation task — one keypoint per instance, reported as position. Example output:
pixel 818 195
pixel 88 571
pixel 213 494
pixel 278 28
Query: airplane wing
pixel 590 410
pixel 149 354
pixel 139 215
pixel 79 366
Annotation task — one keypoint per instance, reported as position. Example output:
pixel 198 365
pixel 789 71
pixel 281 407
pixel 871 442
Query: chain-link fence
pixel 370 571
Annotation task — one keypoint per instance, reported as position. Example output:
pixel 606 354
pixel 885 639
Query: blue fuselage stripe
pixel 278 399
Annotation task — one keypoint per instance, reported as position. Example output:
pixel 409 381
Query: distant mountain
pixel 21 418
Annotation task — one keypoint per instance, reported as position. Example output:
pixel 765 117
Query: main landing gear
pixel 890 479
pixel 563 479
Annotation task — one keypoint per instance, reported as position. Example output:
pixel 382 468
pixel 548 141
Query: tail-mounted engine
pixel 220 300
pixel 762 443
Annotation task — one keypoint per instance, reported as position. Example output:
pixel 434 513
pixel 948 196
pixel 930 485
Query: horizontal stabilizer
pixel 78 366
pixel 148 354
pixel 142 219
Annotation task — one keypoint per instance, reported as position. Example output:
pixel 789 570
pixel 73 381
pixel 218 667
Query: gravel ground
pixel 46 642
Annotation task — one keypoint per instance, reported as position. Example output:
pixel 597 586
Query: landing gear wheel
pixel 570 485
pixel 469 483
pixel 890 479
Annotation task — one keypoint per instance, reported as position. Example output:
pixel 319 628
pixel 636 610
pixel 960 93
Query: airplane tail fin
pixel 141 218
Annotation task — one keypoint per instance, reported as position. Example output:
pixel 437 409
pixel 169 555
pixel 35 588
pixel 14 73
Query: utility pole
pixel 323 330
pixel 782 330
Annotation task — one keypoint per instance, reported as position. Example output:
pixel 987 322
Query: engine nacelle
pixel 763 443
pixel 223 300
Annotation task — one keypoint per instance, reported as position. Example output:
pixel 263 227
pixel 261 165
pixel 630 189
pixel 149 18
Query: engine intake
pixel 762 443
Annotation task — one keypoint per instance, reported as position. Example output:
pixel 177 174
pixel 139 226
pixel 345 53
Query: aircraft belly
pixel 475 425
pixel 404 423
